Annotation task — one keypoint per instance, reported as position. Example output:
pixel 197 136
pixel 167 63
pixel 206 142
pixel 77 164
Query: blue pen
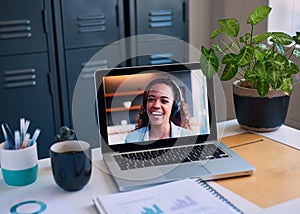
pixel 22 129
pixel 6 137
pixel 10 137
pixel 34 137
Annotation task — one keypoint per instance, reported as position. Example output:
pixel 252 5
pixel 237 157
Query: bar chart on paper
pixel 149 206
pixel 152 210
pixel 183 203
pixel 178 197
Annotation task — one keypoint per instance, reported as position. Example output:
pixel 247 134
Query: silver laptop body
pixel 117 119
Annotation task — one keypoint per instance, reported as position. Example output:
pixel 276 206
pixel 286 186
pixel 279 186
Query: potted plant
pixel 262 65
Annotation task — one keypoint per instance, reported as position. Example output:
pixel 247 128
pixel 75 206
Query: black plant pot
pixel 257 113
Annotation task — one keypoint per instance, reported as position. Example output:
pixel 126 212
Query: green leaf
pixel 246 38
pixel 228 47
pixel 280 62
pixel 229 26
pixel 229 72
pixel 274 77
pixel 260 69
pixel 215 33
pixel 249 75
pixel 258 14
pixel 217 48
pixel 296 53
pixel 229 58
pixel 261 37
pixel 294 69
pixel 245 55
pixel 262 46
pixel 209 62
pixel 263 86
pixel 297 38
pixel 281 38
pixel 270 66
pixel 259 55
pixel 287 85
pixel 279 48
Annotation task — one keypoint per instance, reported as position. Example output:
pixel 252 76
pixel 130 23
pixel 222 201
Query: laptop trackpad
pixel 187 171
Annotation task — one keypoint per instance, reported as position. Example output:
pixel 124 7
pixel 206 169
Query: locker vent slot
pixel 14 29
pixel 91 23
pixel 157 59
pixel 88 69
pixel 160 18
pixel 19 78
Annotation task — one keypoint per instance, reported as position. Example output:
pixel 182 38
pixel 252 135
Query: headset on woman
pixel 179 113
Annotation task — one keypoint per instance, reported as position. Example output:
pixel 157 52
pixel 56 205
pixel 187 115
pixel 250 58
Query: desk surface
pixel 276 178
pixel 59 201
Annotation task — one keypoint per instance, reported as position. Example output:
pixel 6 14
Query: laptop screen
pixel 150 106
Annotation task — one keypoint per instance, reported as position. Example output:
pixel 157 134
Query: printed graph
pixel 183 203
pixel 155 209
pixel 181 197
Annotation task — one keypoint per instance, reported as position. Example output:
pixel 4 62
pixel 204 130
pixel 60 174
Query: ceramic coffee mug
pixel 71 164
pixel 19 167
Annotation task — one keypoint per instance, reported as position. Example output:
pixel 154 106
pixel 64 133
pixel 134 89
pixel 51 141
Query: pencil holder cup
pixel 19 167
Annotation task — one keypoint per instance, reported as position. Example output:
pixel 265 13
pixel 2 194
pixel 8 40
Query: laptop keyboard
pixel 166 156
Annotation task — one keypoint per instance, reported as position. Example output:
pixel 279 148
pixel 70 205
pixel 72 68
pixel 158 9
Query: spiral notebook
pixel 183 196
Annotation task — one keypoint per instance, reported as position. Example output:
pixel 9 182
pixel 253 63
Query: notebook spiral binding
pixel 217 194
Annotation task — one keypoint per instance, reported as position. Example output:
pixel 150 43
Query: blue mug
pixel 71 164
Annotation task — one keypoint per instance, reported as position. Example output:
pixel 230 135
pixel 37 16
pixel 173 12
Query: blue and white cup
pixel 19 167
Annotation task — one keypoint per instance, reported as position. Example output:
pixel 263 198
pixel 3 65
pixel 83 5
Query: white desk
pixel 60 201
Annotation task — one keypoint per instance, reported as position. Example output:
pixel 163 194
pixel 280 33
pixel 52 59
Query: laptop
pixel 189 148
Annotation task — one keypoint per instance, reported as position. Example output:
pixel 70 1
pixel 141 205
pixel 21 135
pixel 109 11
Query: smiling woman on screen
pixel 164 114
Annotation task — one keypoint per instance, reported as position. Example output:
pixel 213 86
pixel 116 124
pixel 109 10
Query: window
pixel 284 16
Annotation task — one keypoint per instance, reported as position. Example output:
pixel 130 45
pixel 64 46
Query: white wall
pixel 200 22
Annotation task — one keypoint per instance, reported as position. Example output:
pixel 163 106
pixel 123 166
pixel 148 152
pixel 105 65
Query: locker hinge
pixel 117 15
pixel 50 85
pixel 44 12
pixel 183 11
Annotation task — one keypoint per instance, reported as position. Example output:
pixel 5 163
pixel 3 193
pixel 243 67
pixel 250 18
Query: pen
pixel 27 122
pixel 24 144
pixel 34 137
pixel 26 125
pixel 9 136
pixel 17 139
pixel 6 137
pixel 22 129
